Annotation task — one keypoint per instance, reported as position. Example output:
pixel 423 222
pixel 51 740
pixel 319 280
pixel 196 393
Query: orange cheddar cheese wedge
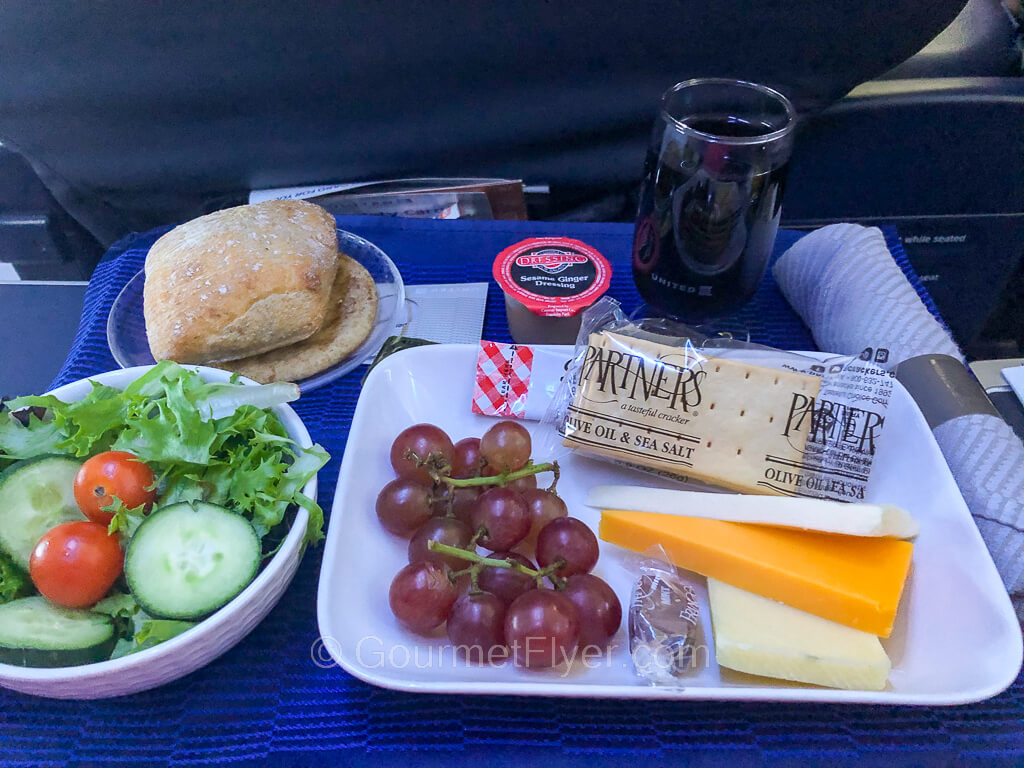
pixel 852 580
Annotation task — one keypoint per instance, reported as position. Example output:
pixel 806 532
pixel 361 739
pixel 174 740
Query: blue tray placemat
pixel 267 700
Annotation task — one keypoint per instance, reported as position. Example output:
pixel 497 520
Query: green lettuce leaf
pixel 19 441
pixel 125 520
pixel 14 582
pixel 156 631
pixel 85 427
pixel 124 612
pixel 92 423
pixel 136 628
pixel 117 605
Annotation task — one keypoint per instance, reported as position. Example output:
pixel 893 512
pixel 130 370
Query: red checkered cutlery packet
pixel 516 381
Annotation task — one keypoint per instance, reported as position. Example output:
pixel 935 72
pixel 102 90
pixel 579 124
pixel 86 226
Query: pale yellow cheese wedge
pixel 759 636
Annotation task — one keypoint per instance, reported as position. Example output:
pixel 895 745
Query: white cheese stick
pixel 762 637
pixel 787 512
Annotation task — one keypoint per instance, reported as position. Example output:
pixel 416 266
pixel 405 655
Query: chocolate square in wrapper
pixel 666 641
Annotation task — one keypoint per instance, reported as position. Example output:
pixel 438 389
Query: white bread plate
pixel 199 645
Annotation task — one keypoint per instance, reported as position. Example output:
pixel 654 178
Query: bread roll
pixel 349 321
pixel 240 281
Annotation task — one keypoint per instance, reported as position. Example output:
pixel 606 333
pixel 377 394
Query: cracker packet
pixel 711 410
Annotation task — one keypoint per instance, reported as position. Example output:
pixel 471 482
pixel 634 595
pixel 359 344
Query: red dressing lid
pixel 552 276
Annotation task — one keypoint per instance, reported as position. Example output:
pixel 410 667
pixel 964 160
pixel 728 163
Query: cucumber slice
pixel 36 633
pixel 35 496
pixel 186 560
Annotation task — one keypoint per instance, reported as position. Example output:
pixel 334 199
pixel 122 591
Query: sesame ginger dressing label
pixel 682 412
pixel 552 276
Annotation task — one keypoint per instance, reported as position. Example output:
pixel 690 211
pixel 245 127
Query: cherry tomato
pixel 75 564
pixel 114 473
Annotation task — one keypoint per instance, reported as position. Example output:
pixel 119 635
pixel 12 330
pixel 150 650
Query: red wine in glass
pixel 711 198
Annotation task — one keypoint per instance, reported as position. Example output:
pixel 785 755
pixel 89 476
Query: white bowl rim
pixel 272 571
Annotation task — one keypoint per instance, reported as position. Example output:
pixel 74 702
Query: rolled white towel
pixel 987 460
pixel 843 282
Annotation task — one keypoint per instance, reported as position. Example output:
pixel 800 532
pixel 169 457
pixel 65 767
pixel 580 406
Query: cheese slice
pixel 852 519
pixel 762 637
pixel 853 580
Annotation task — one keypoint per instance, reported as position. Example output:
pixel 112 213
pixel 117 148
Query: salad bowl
pixel 207 640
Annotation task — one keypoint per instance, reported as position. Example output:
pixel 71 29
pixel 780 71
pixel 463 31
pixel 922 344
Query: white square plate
pixel 956 637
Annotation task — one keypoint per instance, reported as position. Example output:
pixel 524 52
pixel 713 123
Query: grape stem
pixel 558 581
pixel 554 480
pixel 479 560
pixel 504 477
pixel 446 549
pixel 435 463
pixel 474 574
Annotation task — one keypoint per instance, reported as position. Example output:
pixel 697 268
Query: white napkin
pixel 446 313
pixel 843 282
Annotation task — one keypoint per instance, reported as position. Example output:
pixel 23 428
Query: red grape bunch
pixel 531 596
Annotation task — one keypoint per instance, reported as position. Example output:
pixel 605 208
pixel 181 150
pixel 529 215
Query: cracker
pixel 678 411
pixel 350 318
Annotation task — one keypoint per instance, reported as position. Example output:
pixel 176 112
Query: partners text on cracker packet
pixel 686 412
